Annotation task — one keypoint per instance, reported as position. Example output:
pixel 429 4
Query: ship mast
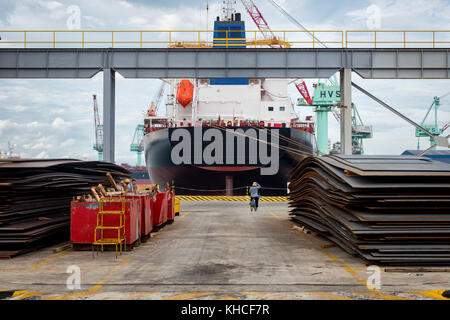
pixel 228 10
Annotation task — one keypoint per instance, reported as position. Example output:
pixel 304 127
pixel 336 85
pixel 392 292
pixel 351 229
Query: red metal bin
pixel 159 209
pixel 146 222
pixel 171 207
pixel 84 220
pixel 145 210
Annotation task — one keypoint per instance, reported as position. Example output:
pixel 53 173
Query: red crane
pixel 98 146
pixel 153 110
pixel 303 89
pixel 445 127
pixel 267 33
pixel 260 22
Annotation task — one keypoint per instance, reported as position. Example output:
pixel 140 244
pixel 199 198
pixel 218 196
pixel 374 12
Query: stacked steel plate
pixel 386 209
pixel 35 199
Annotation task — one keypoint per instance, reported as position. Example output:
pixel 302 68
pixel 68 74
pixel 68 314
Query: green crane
pixel 325 98
pixel 359 131
pixel 434 127
pixel 137 143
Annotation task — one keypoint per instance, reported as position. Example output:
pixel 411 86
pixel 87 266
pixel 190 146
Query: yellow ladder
pixel 121 233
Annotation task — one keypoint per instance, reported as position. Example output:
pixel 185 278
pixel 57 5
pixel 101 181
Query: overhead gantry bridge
pixel 19 61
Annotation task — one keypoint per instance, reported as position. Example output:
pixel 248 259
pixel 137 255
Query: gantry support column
pixel 322 129
pixel 109 111
pixel 346 111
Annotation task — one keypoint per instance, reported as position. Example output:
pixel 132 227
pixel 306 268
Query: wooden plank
pixel 64 247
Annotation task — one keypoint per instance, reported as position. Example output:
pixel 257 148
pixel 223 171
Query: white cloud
pixel 93 22
pixel 50 5
pixel 68 143
pixel 138 21
pixel 406 14
pixel 58 123
pixel 42 155
pixel 6 125
pixel 125 4
pixel 15 108
pixel 34 125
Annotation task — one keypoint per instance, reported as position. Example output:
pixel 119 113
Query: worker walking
pixel 253 192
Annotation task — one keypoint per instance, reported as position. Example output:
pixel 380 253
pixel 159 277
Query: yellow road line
pixel 187 296
pixel 153 235
pixel 12 293
pixel 140 294
pixel 329 296
pixel 435 294
pixel 184 215
pixel 18 293
pixel 329 255
pixel 267 295
pixel 95 288
pixel 346 268
pixel 228 298
pixel 256 294
pixel 48 260
pixel 273 214
pixel 30 294
pixel 383 296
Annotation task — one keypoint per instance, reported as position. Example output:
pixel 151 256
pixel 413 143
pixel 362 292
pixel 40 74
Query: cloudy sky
pixel 54 118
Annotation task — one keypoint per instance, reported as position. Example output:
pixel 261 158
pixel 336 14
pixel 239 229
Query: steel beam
pixel 225 63
pixel 346 111
pixel 109 114
pixel 222 63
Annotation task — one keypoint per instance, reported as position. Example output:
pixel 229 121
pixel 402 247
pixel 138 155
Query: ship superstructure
pixel 221 134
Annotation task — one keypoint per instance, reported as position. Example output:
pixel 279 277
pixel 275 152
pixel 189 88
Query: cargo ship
pixel 138 173
pixel 220 135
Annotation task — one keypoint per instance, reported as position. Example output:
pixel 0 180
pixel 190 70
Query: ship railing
pixel 156 128
pixel 243 123
pixel 155 124
pixel 205 39
pixel 306 126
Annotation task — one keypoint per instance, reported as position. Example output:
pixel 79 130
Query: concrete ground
pixel 217 250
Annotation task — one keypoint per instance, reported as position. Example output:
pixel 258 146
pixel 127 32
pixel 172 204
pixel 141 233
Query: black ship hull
pixel 193 172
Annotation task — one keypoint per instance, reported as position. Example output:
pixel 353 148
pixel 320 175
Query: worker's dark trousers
pixel 256 201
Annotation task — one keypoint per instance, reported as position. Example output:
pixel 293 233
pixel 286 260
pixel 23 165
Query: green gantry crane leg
pixel 322 129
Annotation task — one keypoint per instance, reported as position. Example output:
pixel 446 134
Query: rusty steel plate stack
pixel 387 209
pixel 35 198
